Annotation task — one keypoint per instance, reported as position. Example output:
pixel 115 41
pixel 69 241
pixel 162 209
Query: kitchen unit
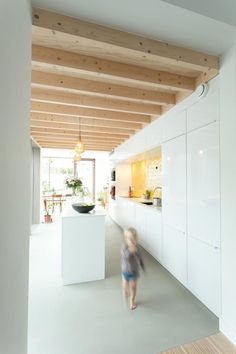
pixel 145 218
pixel 184 235
pixel 83 246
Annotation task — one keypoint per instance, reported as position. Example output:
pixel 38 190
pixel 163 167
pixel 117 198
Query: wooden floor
pixel 216 344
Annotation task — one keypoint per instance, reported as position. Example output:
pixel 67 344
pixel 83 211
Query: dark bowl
pixel 81 208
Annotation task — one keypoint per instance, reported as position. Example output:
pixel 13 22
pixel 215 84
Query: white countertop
pixel 140 200
pixel 70 212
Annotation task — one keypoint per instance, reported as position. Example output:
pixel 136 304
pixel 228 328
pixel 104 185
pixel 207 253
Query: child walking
pixel 131 261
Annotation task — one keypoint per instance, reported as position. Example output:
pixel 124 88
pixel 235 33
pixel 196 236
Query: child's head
pixel 130 235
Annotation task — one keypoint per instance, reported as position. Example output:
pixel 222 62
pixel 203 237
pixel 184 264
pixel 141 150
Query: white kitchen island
pixel 83 246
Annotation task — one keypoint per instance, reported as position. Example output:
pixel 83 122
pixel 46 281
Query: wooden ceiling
pixel 111 81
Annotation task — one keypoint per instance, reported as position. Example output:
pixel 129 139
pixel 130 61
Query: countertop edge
pixel 139 202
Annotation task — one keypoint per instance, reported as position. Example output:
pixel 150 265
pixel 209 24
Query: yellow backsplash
pixel 146 174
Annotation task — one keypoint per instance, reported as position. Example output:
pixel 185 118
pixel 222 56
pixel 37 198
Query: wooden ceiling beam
pixel 74 140
pixel 73 143
pixel 100 89
pixel 84 133
pixel 61 109
pixel 75 137
pixel 39 124
pixel 73 121
pixel 91 101
pixel 63 146
pixel 77 63
pixel 72 146
pixel 81 32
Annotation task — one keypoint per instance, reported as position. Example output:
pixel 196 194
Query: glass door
pixel 85 170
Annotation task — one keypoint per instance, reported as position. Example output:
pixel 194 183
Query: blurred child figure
pixel 131 261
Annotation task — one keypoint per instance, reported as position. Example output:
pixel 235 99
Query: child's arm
pixel 140 259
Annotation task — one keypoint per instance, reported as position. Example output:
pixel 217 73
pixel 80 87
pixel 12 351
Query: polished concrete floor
pixel 91 318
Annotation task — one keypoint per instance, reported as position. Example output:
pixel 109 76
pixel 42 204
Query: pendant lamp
pixel 79 147
pixel 77 157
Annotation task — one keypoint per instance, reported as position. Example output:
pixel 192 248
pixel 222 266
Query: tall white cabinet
pixel 203 210
pixel 203 184
pixel 191 202
pixel 185 237
pixel 174 183
pixel 174 207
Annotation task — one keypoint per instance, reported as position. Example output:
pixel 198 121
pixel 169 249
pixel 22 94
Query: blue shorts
pixel 130 276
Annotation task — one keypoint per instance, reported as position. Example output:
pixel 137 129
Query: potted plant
pixel 147 194
pixel 100 198
pixel 75 184
pixel 48 216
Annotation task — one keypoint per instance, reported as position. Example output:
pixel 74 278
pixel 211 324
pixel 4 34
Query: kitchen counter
pixel 83 246
pixel 140 200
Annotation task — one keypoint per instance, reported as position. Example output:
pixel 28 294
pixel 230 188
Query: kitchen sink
pixel 147 203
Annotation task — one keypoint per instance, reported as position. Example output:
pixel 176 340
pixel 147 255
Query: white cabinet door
pixel 203 184
pixel 174 255
pixel 140 222
pixel 203 112
pixel 118 217
pixel 154 233
pixel 174 125
pixel 128 212
pixel 174 183
pixel 153 134
pixel 204 273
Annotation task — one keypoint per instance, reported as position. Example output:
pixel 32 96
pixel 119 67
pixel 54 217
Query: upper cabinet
pixel 205 111
pixel 153 134
pixel 203 187
pixel 174 183
pixel 174 125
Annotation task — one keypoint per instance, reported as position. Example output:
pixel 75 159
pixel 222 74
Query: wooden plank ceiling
pixel 111 81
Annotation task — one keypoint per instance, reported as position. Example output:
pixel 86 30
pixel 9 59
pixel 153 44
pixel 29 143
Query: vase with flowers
pixel 76 185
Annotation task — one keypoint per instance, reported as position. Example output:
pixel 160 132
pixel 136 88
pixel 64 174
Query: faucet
pixel 157 200
pixel 160 188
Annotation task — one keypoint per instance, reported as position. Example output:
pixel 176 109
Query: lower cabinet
pixel 154 234
pixel 140 223
pixel 174 256
pixel 194 263
pixel 204 273
pixel 127 209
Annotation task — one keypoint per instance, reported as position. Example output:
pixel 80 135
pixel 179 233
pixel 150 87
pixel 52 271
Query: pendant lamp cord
pixel 79 130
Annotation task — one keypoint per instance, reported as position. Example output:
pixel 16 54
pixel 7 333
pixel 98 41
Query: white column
pixel 15 68
pixel 228 192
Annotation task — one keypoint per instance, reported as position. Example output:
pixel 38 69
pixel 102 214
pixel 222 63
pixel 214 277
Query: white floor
pixel 91 318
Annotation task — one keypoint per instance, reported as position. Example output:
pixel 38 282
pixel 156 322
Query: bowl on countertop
pixel 83 208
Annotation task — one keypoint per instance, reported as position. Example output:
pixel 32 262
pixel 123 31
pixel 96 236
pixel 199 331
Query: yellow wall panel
pixel 146 174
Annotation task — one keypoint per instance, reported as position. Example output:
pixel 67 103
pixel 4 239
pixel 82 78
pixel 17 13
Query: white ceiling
pixel 221 10
pixel 151 18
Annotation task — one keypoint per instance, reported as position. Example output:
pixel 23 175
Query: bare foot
pixel 133 306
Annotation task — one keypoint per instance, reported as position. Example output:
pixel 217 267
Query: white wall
pixel 36 185
pixel 15 67
pixel 228 192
